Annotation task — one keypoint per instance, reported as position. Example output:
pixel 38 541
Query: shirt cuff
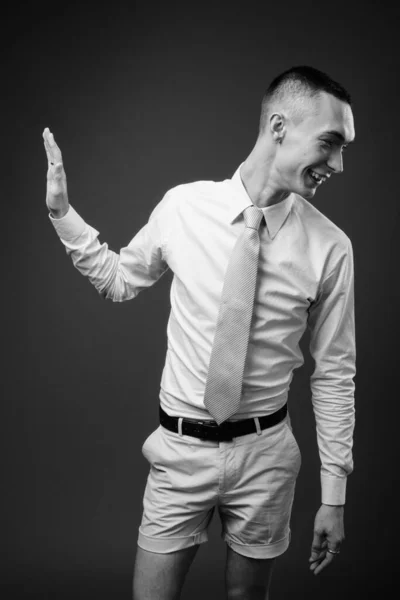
pixel 333 490
pixel 70 226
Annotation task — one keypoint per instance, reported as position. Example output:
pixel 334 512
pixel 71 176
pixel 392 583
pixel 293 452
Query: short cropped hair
pixel 297 86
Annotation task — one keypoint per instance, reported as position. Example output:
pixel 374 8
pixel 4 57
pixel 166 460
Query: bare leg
pixel 161 576
pixel 247 578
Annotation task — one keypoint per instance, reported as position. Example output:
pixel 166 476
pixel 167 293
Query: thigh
pixel 180 493
pixel 161 576
pixel 259 495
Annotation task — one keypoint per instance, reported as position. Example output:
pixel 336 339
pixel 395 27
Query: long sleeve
pixel 333 347
pixel 120 276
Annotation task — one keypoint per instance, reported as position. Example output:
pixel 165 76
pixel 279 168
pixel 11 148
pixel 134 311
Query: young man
pixel 254 264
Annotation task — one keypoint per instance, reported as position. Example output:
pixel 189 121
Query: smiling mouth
pixel 317 178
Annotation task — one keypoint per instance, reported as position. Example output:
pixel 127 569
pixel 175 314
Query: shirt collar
pixel 274 215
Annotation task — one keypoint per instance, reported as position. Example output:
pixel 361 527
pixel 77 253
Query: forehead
pixel 332 114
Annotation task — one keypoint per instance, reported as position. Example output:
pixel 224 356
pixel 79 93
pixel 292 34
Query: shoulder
pixel 194 189
pixel 197 197
pixel 318 224
pixel 325 238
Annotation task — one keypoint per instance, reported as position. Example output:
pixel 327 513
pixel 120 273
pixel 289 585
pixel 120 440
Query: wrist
pixel 59 213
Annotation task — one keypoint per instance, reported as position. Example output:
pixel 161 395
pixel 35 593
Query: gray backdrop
pixel 141 99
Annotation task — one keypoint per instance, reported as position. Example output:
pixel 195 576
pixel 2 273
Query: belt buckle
pixel 223 433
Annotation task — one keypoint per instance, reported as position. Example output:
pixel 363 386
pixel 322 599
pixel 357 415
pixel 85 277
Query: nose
pixel 335 162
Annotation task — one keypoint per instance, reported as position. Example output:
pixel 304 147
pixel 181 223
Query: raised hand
pixel 56 195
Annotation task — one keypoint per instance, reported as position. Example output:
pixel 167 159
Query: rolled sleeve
pixel 122 276
pixel 332 345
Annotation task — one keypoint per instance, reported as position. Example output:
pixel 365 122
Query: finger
pixel 317 545
pixel 314 564
pixel 325 563
pixel 317 562
pixel 52 150
pixel 46 137
pixel 49 152
pixel 46 143
pixel 316 554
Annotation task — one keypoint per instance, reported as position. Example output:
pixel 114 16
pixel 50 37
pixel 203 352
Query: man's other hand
pixel 56 196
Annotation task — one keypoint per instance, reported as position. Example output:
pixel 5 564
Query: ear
pixel 277 125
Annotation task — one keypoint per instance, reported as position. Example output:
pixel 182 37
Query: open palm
pixel 56 196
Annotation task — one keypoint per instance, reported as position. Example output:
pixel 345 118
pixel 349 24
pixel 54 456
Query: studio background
pixel 142 97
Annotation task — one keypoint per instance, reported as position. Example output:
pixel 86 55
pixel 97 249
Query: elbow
pixel 116 290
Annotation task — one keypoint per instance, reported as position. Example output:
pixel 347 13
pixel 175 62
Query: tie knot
pixel 253 216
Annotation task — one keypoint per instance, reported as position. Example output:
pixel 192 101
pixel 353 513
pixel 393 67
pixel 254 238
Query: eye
pixel 327 145
pixel 344 148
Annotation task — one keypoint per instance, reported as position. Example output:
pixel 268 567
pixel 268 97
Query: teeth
pixel 317 176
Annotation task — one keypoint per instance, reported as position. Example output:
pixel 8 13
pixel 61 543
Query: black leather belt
pixel 210 430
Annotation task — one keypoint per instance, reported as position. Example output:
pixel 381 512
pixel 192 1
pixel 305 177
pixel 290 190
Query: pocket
pixel 294 445
pixel 148 446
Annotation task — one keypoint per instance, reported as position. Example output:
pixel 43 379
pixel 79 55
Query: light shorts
pixel 251 480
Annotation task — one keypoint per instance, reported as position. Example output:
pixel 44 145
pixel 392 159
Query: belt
pixel 210 430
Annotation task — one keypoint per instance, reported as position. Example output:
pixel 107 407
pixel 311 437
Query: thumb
pixel 56 171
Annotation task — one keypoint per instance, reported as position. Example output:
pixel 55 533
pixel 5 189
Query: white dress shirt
pixel 305 278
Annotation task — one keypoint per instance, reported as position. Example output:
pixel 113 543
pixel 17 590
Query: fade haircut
pixel 296 88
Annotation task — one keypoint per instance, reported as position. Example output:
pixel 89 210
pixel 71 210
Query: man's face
pixel 312 150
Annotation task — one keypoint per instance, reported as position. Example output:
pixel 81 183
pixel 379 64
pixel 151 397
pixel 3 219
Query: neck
pixel 257 177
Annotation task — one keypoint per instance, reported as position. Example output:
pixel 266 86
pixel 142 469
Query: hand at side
pixel 328 534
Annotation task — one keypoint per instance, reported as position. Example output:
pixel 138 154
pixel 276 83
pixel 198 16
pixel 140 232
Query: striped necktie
pixel 228 355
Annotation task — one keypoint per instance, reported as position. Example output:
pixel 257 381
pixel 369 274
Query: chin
pixel 304 190
pixel 308 192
